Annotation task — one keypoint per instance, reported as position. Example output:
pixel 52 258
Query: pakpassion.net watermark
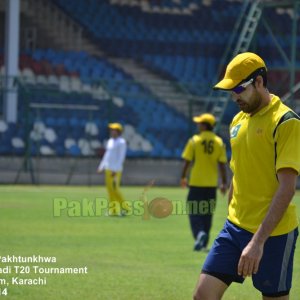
pixel 158 207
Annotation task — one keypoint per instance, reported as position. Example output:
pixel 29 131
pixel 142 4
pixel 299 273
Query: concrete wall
pixel 82 171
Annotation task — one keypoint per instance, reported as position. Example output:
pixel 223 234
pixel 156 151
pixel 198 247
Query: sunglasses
pixel 242 87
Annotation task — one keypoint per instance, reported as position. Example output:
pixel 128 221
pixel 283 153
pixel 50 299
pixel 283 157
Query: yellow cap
pixel 239 69
pixel 205 118
pixel 115 126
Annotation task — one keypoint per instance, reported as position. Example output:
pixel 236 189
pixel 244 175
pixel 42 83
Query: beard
pixel 249 106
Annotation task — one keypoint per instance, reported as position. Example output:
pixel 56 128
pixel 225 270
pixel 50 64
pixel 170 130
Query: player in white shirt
pixel 112 163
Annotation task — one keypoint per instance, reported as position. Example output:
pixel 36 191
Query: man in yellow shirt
pixel 259 236
pixel 207 152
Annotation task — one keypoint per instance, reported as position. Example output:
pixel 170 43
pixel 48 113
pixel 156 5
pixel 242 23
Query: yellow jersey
pixel 205 150
pixel 261 145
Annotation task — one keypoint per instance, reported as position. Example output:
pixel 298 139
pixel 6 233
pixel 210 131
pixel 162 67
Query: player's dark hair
pixel 259 72
pixel 208 126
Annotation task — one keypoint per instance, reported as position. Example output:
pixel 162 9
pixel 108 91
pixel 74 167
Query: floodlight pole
pixel 11 59
pixel 293 49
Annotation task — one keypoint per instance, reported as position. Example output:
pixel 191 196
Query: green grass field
pixel 127 258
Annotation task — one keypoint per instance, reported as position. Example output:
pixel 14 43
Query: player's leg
pixel 211 194
pixel 207 221
pixel 202 236
pixel 200 207
pixel 274 276
pixel 109 185
pixel 192 208
pixel 220 267
pixel 113 209
pixel 117 192
pixel 209 288
pixel 195 224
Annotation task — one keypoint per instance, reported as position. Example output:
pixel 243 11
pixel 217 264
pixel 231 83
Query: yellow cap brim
pixel 226 84
pixel 197 119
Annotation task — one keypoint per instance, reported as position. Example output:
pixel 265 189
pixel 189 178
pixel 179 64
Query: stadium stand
pixel 179 40
pixel 69 109
pixel 174 44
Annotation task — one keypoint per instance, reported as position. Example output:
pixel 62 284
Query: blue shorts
pixel 274 276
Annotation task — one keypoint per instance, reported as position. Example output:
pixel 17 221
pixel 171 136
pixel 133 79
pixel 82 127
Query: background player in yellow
pixel 259 236
pixel 112 162
pixel 206 151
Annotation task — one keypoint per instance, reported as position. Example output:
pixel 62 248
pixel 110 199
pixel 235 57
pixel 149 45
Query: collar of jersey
pixel 273 101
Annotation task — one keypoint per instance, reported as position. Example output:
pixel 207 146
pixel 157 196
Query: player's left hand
pixel 250 259
pixel 183 182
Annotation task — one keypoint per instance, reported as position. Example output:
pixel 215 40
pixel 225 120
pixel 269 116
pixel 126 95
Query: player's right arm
pixel 183 180
pixel 223 186
pixel 104 159
pixel 222 161
pixel 188 156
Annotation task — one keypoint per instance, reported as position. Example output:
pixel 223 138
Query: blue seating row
pixel 88 67
pixel 151 118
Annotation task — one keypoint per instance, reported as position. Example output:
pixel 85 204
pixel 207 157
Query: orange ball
pixel 160 207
